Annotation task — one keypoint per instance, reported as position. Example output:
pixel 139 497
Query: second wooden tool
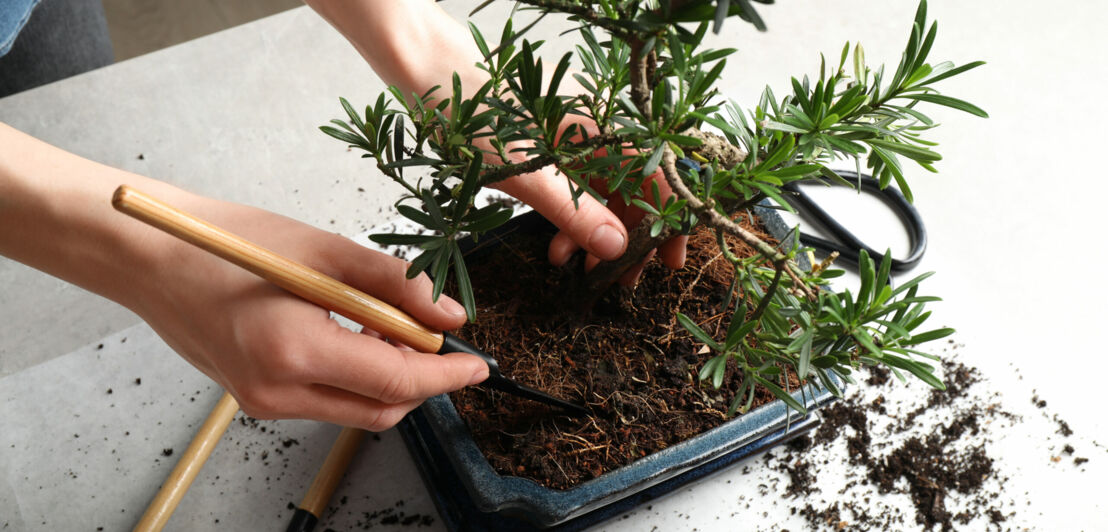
pixel 192 460
pixel 326 480
pixel 318 288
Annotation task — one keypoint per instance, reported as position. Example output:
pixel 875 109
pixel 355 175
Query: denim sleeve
pixel 13 15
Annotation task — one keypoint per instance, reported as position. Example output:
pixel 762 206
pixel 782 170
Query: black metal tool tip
pixel 302 521
pixel 497 381
pixel 506 385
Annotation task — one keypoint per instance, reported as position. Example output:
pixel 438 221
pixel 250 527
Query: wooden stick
pixel 326 480
pixel 290 275
pixel 174 488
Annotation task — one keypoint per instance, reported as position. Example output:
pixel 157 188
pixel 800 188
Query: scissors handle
pixel 844 241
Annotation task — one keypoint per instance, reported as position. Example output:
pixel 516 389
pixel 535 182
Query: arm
pixel 277 354
pixel 412 44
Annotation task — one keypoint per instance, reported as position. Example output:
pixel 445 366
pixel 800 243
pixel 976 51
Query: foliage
pixel 649 83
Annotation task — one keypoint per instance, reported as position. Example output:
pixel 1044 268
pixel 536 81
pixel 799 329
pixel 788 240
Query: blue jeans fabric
pixel 61 38
pixel 13 15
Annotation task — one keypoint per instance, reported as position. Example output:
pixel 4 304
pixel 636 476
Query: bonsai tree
pixel 646 126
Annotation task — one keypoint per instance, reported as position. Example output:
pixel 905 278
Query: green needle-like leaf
pixel 805 360
pixel 929 336
pixel 465 288
pixel 781 394
pixel 652 163
pixel 697 332
pixel 947 101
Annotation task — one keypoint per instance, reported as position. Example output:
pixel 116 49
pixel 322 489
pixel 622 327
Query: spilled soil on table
pixel 930 461
pixel 629 361
pixel 949 459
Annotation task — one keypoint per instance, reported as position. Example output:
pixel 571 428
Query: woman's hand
pixel 599 229
pixel 280 356
pixel 415 45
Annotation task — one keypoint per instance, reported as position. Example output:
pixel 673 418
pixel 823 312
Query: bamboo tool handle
pixel 326 480
pixel 201 447
pixel 290 275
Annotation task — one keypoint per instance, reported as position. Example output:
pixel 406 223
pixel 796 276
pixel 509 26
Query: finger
pixel 370 367
pixel 673 252
pixel 384 277
pixel 333 405
pixel 631 276
pixel 562 247
pixel 587 222
pixel 342 407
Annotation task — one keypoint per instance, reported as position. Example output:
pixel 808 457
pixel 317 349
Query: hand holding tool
pixel 318 288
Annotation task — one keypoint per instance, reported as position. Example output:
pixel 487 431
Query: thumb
pixel 586 222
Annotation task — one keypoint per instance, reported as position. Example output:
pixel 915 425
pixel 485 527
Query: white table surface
pixel 234 116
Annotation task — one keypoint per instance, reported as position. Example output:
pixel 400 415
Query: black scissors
pixel 845 243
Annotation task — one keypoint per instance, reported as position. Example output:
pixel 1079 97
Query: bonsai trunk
pixel 605 274
pixel 640 243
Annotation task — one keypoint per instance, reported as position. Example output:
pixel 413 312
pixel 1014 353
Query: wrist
pixel 412 44
pixel 56 216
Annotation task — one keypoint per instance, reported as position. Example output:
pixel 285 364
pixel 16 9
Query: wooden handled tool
pixel 318 288
pixel 326 480
pixel 165 502
pixel 290 275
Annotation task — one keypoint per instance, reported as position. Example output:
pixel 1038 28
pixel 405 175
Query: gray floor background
pixel 234 116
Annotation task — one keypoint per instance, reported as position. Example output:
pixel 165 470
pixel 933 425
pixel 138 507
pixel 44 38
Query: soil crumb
pixel 391 517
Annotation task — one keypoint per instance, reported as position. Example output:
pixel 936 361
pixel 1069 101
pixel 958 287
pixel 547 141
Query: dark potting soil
pixel 628 360
pixel 943 463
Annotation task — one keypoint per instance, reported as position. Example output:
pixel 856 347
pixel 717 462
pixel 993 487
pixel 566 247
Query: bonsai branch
pixel 707 212
pixel 576 152
pixel 582 11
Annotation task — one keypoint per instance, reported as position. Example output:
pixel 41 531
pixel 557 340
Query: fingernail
pixel 607 242
pixel 451 307
pixel 481 375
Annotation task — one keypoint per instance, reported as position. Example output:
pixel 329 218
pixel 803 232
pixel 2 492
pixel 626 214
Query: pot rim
pixel 525 498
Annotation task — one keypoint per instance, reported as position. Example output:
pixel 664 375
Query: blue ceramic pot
pixel 470 495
